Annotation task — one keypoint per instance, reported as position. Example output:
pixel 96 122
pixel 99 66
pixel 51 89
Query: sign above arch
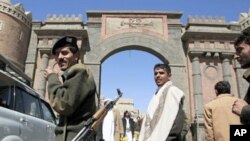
pixel 155 25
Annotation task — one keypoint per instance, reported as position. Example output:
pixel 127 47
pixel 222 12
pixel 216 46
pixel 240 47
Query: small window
pixel 1 25
pixel 48 113
pixel 21 36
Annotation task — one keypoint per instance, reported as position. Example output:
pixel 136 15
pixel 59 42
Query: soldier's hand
pixel 238 105
pixel 48 71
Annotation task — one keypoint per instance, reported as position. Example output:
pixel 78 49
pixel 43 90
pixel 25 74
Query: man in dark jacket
pixel 128 126
pixel 74 99
pixel 242 55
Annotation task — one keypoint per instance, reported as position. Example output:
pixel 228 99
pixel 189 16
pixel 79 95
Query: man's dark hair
pixel 244 36
pixel 163 66
pixel 222 87
pixel 124 114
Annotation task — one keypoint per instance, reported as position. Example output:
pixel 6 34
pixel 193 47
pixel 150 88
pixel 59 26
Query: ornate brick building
pixel 200 53
pixel 15 28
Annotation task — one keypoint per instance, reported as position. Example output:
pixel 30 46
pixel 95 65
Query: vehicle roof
pixel 6 79
pixel 13 70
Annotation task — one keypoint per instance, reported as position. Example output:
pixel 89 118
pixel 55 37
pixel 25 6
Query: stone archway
pixel 164 50
pixel 158 33
pixel 168 51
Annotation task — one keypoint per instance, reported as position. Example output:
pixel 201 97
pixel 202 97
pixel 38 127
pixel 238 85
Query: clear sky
pixel 132 71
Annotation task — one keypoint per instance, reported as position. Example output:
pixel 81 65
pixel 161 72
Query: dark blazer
pixel 132 125
pixel 175 132
pixel 245 113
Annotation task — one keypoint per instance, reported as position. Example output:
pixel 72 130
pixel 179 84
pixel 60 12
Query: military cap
pixel 67 40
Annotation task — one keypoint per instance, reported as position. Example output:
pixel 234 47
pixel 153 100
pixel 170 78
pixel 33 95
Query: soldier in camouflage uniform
pixel 74 99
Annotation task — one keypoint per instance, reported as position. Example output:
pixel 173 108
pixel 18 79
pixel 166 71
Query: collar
pixel 246 75
pixel 164 85
pixel 223 95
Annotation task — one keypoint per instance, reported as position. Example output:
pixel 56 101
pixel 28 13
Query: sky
pixel 132 71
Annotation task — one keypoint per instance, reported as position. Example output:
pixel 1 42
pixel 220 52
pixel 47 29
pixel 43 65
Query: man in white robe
pixel 165 117
pixel 108 126
pixel 112 128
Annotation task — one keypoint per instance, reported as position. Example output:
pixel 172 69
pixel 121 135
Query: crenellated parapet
pixel 64 18
pixel 17 11
pixel 244 21
pixel 206 20
pixel 211 29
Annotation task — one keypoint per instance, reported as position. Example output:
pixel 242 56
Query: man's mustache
pixel 61 60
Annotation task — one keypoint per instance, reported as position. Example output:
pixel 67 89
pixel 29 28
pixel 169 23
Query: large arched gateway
pixel 151 32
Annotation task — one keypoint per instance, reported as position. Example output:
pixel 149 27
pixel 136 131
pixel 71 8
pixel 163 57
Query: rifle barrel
pixel 95 121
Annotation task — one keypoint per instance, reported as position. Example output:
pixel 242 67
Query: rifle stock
pixel 98 122
pixel 93 123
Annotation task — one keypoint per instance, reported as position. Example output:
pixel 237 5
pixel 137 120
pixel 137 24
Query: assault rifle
pixel 93 123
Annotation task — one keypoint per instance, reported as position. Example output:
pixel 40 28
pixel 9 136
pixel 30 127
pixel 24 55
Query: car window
pixel 6 97
pixel 31 106
pixel 48 113
pixel 19 105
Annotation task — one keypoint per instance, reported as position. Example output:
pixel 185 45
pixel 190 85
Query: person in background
pixel 112 128
pixel 137 128
pixel 128 126
pixel 242 55
pixel 164 119
pixel 74 99
pixel 216 125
